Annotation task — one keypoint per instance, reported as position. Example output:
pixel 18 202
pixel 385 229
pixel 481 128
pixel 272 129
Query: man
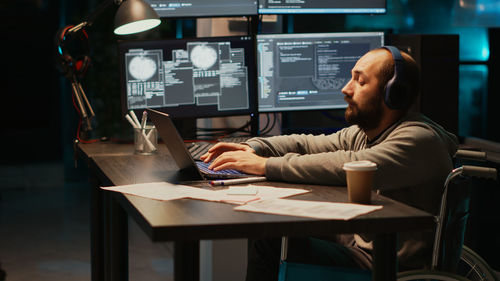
pixel 413 155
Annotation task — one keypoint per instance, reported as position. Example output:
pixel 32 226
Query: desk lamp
pixel 133 16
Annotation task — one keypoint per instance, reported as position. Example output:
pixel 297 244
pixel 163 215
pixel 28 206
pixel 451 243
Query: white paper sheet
pixel 167 191
pixel 158 190
pixel 310 209
pixel 263 193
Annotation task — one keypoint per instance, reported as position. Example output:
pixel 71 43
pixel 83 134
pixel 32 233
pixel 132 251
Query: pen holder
pixel 146 140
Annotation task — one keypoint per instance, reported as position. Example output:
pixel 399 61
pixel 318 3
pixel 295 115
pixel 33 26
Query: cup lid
pixel 363 165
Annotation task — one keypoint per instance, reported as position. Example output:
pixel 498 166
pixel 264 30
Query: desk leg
pixel 385 257
pixel 96 230
pixel 187 261
pixel 117 241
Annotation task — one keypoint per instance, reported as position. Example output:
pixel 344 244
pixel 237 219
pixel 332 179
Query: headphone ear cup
pixel 397 94
pixel 387 93
pixel 81 65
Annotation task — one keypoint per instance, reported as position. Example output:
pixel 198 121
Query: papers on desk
pixel 310 209
pixel 242 194
pixel 156 190
pixel 260 199
pixel 233 195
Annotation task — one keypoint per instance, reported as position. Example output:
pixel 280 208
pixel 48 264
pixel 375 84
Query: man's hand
pixel 235 156
pixel 222 147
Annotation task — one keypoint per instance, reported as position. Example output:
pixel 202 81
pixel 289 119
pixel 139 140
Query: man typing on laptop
pixel 412 152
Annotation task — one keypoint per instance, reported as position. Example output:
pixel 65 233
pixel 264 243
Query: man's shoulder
pixel 425 130
pixel 420 122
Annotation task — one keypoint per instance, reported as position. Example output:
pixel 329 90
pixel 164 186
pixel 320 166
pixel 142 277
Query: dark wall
pixel 29 86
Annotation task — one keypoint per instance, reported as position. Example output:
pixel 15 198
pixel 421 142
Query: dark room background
pixel 40 122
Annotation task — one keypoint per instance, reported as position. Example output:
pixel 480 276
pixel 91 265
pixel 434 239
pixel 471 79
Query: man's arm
pixel 402 158
pixel 251 157
pixel 303 144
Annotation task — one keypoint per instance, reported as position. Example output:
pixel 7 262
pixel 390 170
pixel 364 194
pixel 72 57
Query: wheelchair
pixel 451 260
pixel 450 228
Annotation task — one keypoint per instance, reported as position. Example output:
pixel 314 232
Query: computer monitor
pixel 308 71
pixel 322 7
pixel 203 8
pixel 189 78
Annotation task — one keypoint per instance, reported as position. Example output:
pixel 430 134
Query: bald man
pixel 413 155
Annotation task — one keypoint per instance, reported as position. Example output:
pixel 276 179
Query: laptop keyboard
pixel 236 139
pixel 197 149
pixel 204 169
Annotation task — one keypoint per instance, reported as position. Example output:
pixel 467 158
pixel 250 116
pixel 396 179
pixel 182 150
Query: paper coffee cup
pixel 360 177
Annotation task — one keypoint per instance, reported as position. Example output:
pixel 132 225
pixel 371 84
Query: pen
pixel 143 120
pixel 134 125
pixel 237 181
pixel 134 117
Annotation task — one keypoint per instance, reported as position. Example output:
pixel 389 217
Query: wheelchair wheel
pixel 429 275
pixel 473 267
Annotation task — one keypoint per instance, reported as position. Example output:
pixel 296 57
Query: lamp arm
pixel 95 14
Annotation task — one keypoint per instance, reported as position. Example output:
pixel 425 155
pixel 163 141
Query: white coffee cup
pixel 360 177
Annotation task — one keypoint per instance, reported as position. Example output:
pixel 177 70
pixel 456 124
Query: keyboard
pixel 206 171
pixel 197 149
pixel 236 139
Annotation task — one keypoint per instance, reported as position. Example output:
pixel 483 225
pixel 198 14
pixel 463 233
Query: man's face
pixel 362 92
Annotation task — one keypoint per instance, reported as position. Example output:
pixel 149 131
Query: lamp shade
pixel 135 16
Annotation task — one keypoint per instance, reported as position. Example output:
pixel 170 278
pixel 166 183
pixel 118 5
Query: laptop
pixel 197 170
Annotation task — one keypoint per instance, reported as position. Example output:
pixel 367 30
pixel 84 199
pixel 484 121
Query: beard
pixel 366 118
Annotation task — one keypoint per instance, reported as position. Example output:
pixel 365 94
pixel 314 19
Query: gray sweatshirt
pixel 414 156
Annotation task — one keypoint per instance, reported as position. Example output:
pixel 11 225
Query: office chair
pixel 449 254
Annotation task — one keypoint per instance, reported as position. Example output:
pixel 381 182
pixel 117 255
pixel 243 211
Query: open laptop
pixel 196 169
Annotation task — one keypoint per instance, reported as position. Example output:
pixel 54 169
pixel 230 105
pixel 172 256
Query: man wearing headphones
pixel 413 155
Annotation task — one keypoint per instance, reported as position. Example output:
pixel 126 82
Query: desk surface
pixel 188 219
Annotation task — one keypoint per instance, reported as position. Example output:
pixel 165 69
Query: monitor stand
pixel 254 124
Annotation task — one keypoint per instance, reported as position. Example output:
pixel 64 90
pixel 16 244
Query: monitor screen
pixel 203 8
pixel 322 7
pixel 308 71
pixel 189 78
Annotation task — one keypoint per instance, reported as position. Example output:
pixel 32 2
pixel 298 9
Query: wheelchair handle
pixel 470 154
pixel 481 172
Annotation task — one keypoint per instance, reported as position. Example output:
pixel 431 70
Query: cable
pixel 224 132
pixel 267 123
pixel 275 118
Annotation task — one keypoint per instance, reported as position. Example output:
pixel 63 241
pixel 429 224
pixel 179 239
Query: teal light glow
pixel 474 45
pixel 410 21
pixel 418 18
pixel 473 101
pixel 486 53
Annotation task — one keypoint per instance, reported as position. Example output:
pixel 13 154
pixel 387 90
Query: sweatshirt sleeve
pixel 401 157
pixel 299 144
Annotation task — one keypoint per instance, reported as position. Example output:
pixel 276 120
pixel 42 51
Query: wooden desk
pixel 188 221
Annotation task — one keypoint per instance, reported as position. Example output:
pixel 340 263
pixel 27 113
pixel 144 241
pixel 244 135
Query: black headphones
pixel 397 94
pixel 67 63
